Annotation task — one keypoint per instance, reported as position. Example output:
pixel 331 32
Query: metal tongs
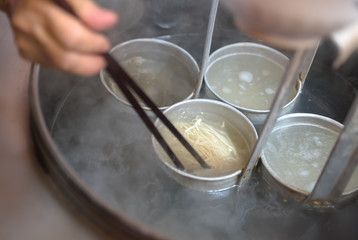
pixel 125 83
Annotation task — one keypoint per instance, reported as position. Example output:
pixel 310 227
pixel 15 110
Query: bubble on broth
pixel 257 78
pixel 246 76
pixel 270 91
pixel 297 155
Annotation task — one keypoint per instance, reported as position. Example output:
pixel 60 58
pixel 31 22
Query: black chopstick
pixel 123 80
pixel 119 75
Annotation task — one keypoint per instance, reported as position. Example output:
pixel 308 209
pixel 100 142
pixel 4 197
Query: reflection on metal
pixel 281 98
pixel 341 164
pixel 306 63
pixel 208 40
pixel 96 168
pixel 100 157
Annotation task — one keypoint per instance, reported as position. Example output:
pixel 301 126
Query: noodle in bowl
pixel 220 134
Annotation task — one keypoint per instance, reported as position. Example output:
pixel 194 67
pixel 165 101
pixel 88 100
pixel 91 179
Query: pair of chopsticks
pixel 125 83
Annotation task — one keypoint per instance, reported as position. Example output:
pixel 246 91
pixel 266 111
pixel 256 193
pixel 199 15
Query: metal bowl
pixel 98 158
pixel 284 146
pixel 255 66
pixel 166 72
pixel 187 110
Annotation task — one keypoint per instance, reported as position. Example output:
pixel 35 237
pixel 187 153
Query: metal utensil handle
pixel 281 98
pixel 340 165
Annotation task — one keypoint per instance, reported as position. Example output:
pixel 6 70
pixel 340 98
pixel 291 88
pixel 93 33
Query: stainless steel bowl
pixel 257 52
pixel 166 72
pixel 313 151
pixel 191 108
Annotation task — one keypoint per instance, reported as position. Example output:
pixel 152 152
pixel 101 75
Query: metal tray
pixel 99 155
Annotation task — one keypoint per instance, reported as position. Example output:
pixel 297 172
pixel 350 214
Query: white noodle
pixel 212 144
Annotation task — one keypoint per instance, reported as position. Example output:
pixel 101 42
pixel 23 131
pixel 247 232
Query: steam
pixel 109 149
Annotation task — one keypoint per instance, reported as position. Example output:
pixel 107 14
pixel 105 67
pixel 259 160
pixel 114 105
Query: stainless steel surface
pixel 291 121
pixel 248 48
pixel 306 63
pixel 145 57
pixel 195 107
pixel 341 164
pixel 110 175
pixel 37 204
pixel 88 161
pixel 279 102
pixel 207 47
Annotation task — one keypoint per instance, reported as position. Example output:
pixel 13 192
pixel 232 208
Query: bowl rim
pixel 311 116
pixel 244 45
pixel 151 41
pixel 192 176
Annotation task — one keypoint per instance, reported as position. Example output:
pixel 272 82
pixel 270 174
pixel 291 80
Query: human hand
pixel 46 34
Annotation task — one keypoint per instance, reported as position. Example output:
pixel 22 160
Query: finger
pixel 64 28
pixel 93 15
pixel 45 48
pixel 28 48
pixel 80 64
pixel 73 35
pixel 84 64
pixel 53 55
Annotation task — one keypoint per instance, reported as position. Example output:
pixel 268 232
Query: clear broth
pixel 246 80
pixel 165 79
pixel 297 155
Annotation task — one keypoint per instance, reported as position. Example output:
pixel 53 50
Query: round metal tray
pixel 99 154
pixel 100 157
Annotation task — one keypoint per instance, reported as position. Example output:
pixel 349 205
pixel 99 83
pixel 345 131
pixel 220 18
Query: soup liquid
pixel 225 167
pixel 246 80
pixel 297 155
pixel 165 79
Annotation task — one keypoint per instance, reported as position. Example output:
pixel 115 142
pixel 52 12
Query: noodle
pixel 212 144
